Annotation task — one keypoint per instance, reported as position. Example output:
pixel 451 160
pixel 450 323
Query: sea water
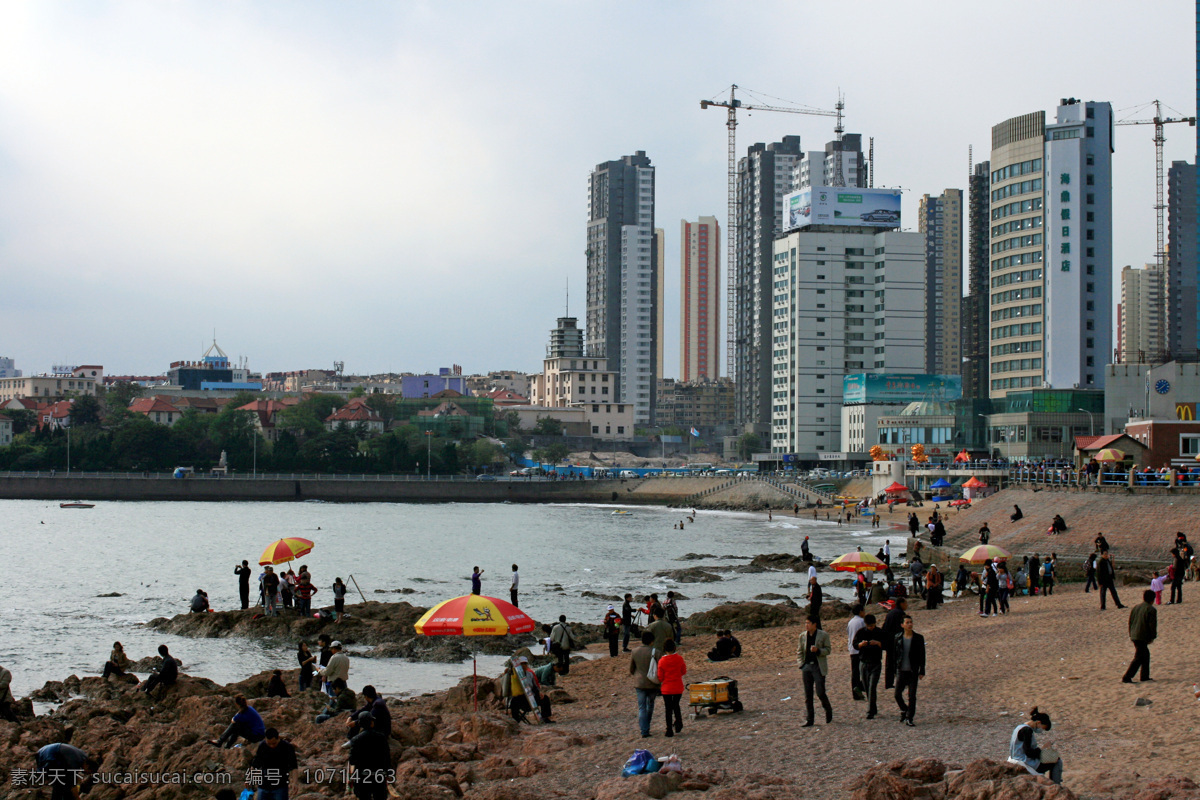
pixel 58 563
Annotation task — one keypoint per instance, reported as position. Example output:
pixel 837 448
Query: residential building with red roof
pixel 356 413
pixel 156 409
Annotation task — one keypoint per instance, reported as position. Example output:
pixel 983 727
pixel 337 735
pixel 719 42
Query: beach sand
pixel 1060 653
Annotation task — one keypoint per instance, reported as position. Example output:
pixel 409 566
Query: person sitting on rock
pixel 520 703
pixel 199 602
pixel 8 703
pixel 343 699
pixel 117 663
pixel 167 674
pixel 1023 748
pixel 246 724
pixel 275 686
pixel 68 770
pixel 378 709
pixel 726 648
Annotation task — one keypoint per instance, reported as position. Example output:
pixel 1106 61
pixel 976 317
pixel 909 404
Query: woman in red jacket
pixel 671 670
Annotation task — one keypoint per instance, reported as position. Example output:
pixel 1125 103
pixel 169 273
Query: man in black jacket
pixel 275 760
pixel 1106 576
pixel 1143 629
pixel 243 574
pixel 892 626
pixel 909 649
pixel 815 598
pixel 370 761
pixel 627 620
pixel 870 643
pixel 167 674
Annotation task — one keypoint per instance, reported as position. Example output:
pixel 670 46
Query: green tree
pixel 483 453
pixel 748 443
pixel 85 410
pixel 121 394
pixel 548 426
pixel 552 453
pixel 357 392
pixel 23 419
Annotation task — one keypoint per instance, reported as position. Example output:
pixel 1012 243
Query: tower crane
pixel 1160 254
pixel 732 105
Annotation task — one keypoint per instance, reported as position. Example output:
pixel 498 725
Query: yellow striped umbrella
pixel 474 615
pixel 1110 454
pixel 980 553
pixel 857 562
pixel 286 549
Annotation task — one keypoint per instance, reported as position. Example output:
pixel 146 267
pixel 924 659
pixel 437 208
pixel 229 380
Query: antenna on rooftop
pixel 567 308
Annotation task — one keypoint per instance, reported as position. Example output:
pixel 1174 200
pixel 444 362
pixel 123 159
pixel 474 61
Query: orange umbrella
pixel 286 549
pixel 857 562
pixel 982 552
pixel 974 483
pixel 1110 454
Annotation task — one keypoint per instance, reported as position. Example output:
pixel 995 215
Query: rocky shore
pixel 983 677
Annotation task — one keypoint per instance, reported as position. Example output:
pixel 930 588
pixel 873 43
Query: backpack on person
pixel 652 670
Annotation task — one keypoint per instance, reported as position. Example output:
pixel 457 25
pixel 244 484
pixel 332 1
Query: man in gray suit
pixel 813 650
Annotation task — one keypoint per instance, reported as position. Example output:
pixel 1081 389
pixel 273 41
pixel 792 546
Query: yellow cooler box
pixel 712 692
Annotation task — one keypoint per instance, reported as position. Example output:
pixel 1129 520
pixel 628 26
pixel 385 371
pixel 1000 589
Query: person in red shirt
pixel 671 670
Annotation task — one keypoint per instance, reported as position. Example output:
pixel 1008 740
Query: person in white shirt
pixel 854 626
pixel 812 571
pixel 512 590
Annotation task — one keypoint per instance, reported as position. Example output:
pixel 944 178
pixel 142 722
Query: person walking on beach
pixel 985 533
pixel 339 599
pixel 887 552
pixel 671 607
pixel 1034 574
pixel 910 656
pixel 1143 629
pixel 562 643
pixel 1106 576
pixel 671 669
pixel 855 624
pixel 370 759
pixel 476 581
pixel 933 587
pixel 1178 570
pixel 243 574
pixel 805 554
pixel 627 619
pixel 246 724
pixel 814 648
pixel 1089 571
pixel 512 590
pixel 869 640
pixel 612 630
pixel 270 584
pixel 167 674
pixel 275 760
pixel 1047 575
pixel 646 689
pixel 1005 582
pixel 893 626
pixel 661 630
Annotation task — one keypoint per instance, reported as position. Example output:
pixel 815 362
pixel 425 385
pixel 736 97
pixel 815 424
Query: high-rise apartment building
pixel 845 300
pixel 699 277
pixel 1183 328
pixel 818 168
pixel 764 177
pixel 940 221
pixel 1051 249
pixel 976 304
pixel 1142 324
pixel 622 278
pixel 660 258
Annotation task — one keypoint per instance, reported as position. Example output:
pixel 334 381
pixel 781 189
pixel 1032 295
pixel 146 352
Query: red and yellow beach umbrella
pixel 1110 454
pixel 286 549
pixel 474 615
pixel 980 553
pixel 857 562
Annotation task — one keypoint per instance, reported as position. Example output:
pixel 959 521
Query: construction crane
pixel 1160 254
pixel 733 104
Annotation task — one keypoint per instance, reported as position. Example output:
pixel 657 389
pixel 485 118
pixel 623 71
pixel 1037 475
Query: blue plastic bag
pixel 247 794
pixel 641 761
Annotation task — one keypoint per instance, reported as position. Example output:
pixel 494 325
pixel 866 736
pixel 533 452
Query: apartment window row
pixel 1016 277
pixel 1027 293
pixel 1025 382
pixel 1017 347
pixel 1017 241
pixel 1013 189
pixel 1017 207
pixel 1017 365
pixel 1017 225
pixel 1032 310
pixel 1013 170
pixel 1017 260
pixel 1023 329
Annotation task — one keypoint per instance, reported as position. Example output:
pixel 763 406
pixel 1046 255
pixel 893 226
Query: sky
pixel 403 186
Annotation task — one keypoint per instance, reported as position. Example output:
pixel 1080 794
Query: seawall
pixel 652 491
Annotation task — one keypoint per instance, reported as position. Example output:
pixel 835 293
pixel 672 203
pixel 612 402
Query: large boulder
pixel 689 575
pixel 984 779
pixel 743 617
pixel 780 562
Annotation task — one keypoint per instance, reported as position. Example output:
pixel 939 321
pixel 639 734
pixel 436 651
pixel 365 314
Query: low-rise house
pixel 156 410
pixel 354 414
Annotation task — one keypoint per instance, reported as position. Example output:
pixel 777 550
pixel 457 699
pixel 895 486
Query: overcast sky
pixel 402 186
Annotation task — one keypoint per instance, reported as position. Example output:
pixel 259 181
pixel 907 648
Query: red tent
pixel 974 483
pixel 896 488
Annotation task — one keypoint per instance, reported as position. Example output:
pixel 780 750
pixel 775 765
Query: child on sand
pixel 1156 584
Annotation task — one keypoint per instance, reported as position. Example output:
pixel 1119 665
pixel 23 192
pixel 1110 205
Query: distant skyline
pixel 398 186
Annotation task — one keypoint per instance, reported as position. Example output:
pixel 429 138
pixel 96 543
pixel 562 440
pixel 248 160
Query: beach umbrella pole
pixel 356 586
pixel 475 675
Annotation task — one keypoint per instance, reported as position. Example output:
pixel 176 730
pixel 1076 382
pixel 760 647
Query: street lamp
pixel 1091 427
pixel 428 457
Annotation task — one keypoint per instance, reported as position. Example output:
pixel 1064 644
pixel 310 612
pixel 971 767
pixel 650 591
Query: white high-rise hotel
pixel 1051 249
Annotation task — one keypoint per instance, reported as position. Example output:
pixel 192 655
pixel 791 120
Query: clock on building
pixel 1162 387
